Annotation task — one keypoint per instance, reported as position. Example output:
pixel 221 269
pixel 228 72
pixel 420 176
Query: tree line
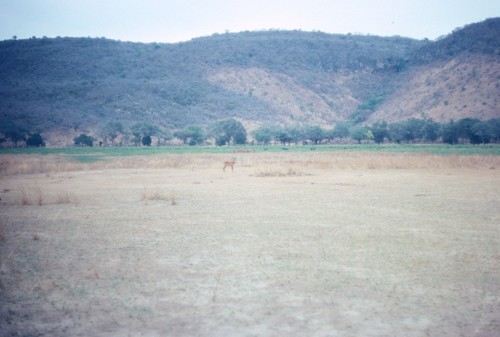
pixel 414 130
pixel 232 132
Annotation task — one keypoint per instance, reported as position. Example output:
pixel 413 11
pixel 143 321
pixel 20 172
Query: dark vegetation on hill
pixel 68 86
pixel 481 38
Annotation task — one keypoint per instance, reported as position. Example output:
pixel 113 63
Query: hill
pixel 73 85
pixel 455 77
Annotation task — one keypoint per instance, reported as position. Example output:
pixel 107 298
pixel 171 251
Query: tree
pixel 35 140
pixel 240 137
pixel 221 140
pixel 450 133
pixel 111 130
pixel 84 140
pixel 284 137
pixel 341 130
pixel 263 134
pixel 464 127
pixel 380 131
pixel 146 140
pixel 483 132
pixel 15 132
pixel 430 130
pixel 414 129
pixel 229 130
pixel 194 135
pixel 164 135
pixel 360 133
pixel 495 129
pixel 296 134
pixel 369 135
pixel 144 129
pixel 315 133
pixel 406 131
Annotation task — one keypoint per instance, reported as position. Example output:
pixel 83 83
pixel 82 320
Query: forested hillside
pixel 455 77
pixel 63 87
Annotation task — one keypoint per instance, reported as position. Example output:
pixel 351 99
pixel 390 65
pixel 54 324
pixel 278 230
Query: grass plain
pixel 295 243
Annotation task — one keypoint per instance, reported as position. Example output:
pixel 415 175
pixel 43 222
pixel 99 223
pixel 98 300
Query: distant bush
pixel 35 140
pixel 227 131
pixel 192 135
pixel 14 132
pixel 84 140
pixel 146 140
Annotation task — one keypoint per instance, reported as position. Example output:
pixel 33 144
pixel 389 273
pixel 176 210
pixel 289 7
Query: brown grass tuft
pixel 63 198
pixel 148 196
pixel 273 172
pixel 45 285
pixel 173 198
pixel 39 195
pixel 25 197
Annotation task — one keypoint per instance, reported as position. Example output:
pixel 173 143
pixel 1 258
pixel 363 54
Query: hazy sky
pixel 180 20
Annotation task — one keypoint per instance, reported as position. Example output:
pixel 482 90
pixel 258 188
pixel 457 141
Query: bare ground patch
pixel 333 251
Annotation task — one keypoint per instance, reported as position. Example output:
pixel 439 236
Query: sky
pixel 182 20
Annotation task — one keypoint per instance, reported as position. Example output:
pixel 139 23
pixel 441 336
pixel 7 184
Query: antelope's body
pixel 229 163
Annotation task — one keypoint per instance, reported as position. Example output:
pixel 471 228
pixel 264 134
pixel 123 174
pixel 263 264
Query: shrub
pixel 35 140
pixel 227 130
pixel 84 140
pixel 146 140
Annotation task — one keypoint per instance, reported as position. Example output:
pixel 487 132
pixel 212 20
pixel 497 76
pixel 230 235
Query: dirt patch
pixel 330 252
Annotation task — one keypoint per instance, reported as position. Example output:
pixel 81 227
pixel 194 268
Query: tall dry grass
pixel 36 196
pixel 375 161
pixel 38 164
pixel 370 161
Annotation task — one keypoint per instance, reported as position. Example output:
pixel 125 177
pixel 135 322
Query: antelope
pixel 229 163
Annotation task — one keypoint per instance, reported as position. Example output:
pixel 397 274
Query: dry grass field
pixel 287 244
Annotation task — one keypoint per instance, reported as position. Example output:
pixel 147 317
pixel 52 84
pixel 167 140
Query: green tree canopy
pixel 146 140
pixel 315 134
pixel 380 131
pixel 464 128
pixel 229 130
pixel 483 132
pixel 144 129
pixel 35 140
pixel 14 131
pixel 430 130
pixel 84 140
pixel 192 135
pixel 263 134
pixel 360 133
pixel 449 132
pixel 341 130
pixel 111 130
